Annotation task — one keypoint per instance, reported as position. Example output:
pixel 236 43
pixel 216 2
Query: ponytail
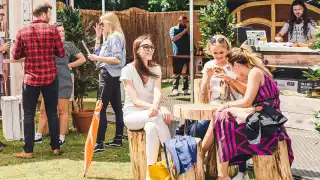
pixel 244 55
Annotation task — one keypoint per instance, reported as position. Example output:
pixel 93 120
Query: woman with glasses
pixel 142 108
pixel 110 58
pixel 217 75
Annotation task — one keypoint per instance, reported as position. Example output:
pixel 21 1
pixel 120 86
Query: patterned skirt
pixel 233 145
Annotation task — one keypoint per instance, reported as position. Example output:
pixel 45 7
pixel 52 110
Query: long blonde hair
pixel 226 43
pixel 113 21
pixel 244 55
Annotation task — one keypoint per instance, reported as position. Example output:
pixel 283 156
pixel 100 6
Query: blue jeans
pixel 201 130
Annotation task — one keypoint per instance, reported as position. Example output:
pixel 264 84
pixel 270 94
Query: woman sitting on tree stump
pixel 240 129
pixel 142 108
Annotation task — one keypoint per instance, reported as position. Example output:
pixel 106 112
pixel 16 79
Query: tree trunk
pixel 275 166
pixel 138 158
pixel 195 172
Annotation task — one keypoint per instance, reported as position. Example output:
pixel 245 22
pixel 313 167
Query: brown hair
pixel 244 56
pixel 41 8
pixel 226 43
pixel 139 65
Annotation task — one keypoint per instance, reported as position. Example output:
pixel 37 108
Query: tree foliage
pixel 216 19
pixel 168 5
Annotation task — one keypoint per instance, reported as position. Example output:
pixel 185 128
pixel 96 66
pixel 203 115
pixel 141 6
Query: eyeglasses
pixel 148 47
pixel 219 40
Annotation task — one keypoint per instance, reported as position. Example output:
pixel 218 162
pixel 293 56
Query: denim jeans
pixel 201 129
pixel 111 93
pixel 30 95
pixel 176 82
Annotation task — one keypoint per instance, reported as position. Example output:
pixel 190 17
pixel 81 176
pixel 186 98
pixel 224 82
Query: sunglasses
pixel 148 47
pixel 219 40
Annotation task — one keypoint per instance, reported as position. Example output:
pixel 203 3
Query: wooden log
pixel 275 166
pixel 232 170
pixel 195 172
pixel 211 165
pixel 137 147
pixel 197 91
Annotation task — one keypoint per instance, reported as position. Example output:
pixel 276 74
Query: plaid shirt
pixel 38 42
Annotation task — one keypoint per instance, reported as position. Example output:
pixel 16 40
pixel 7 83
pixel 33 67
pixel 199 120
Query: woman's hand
pixel 223 106
pixel 98 29
pixel 93 57
pixel 153 111
pixel 225 77
pixel 166 114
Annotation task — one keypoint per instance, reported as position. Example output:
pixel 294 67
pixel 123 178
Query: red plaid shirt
pixel 38 42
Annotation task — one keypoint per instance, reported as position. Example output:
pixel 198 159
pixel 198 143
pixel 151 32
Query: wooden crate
pixel 12 117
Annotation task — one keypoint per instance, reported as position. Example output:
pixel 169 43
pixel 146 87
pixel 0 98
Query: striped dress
pixel 231 138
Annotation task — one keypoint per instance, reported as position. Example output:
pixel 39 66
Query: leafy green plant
pixel 85 76
pixel 313 74
pixel 168 5
pixel 216 19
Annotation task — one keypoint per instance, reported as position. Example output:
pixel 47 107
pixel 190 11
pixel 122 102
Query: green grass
pixel 110 164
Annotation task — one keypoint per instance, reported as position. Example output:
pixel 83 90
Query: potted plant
pixel 313 74
pixel 83 75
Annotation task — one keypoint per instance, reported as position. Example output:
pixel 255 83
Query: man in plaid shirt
pixel 39 42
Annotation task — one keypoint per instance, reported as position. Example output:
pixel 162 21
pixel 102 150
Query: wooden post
pixel 195 172
pixel 138 158
pixel 275 166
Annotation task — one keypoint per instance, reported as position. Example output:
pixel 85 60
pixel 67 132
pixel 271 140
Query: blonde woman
pixel 110 58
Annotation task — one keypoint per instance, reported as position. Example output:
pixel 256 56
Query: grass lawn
pixel 113 163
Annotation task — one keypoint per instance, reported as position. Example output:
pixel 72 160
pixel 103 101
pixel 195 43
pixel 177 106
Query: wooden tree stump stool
pixel 138 158
pixel 275 166
pixel 195 172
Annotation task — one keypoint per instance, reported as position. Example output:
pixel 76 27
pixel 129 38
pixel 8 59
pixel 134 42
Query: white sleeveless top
pixel 218 86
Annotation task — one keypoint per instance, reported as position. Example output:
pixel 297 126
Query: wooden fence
pixel 136 22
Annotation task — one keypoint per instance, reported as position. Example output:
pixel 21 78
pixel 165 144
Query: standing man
pixel 39 42
pixel 300 27
pixel 4 47
pixel 181 46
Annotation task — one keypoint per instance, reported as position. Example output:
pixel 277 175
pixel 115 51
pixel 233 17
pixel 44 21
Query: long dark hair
pixel 305 18
pixel 141 68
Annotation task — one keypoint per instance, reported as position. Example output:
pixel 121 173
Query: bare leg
pixel 63 107
pixel 222 168
pixel 208 139
pixel 43 120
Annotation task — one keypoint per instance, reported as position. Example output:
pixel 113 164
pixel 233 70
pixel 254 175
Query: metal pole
pixel 191 51
pixel 103 6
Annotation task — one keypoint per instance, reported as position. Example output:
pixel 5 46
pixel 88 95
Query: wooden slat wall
pixel 136 22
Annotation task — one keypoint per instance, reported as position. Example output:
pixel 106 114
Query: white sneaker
pixel 239 176
pixel 175 92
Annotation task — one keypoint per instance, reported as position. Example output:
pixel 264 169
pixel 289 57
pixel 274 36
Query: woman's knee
pixel 151 129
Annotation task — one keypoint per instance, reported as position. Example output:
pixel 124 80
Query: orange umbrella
pixel 92 135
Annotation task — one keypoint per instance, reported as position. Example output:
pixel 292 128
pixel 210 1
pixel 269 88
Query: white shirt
pixel 218 85
pixel 144 92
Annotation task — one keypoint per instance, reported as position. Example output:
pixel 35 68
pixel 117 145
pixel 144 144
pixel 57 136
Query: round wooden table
pixel 194 111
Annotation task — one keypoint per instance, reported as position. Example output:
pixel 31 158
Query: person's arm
pixel 116 49
pixel 157 89
pixel 128 84
pixel 77 53
pixel 59 48
pixel 175 37
pixel 282 32
pixel 80 60
pixel 254 81
pixel 18 50
pixel 238 85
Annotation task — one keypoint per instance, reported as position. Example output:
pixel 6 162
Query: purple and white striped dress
pixel 231 138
